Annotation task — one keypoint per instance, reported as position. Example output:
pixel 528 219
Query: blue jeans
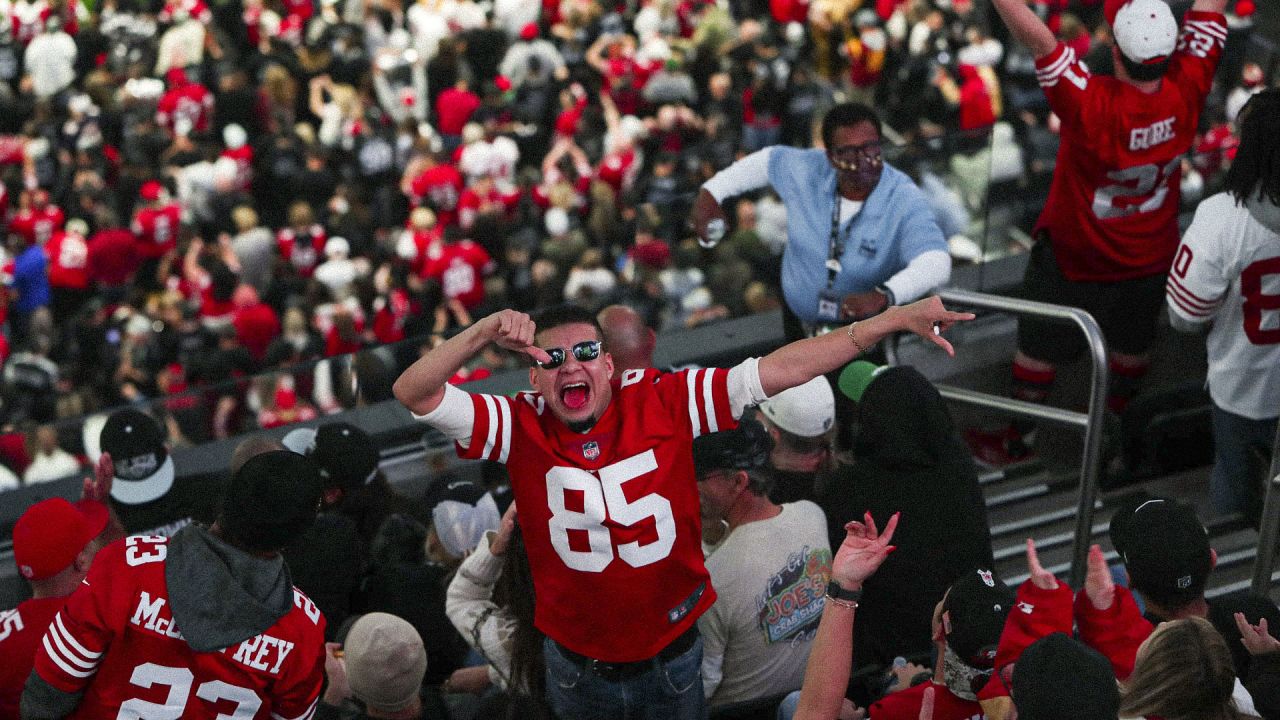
pixel 1241 448
pixel 790 704
pixel 671 690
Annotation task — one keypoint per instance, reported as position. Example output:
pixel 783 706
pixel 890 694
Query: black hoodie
pixel 909 458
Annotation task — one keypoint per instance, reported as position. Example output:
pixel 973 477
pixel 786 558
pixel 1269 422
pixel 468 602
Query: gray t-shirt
pixel 770 577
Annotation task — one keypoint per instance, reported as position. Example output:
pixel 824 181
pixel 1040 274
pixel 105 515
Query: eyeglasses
pixel 868 150
pixel 582 352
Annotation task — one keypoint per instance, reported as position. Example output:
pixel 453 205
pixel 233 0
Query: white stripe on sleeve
pixel 57 660
pixel 708 401
pixel 493 426
pixel 504 408
pixel 692 377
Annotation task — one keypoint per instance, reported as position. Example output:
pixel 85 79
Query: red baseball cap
pixel 150 190
pixel 529 31
pixel 51 533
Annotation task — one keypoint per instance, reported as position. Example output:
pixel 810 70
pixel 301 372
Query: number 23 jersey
pixel 116 641
pixel 611 518
pixel 1112 210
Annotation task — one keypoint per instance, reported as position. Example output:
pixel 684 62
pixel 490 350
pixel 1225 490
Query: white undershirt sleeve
pixel 454 416
pixel 745 389
pixel 749 173
pixel 926 271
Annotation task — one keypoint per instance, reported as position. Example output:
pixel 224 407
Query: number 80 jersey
pixel 611 518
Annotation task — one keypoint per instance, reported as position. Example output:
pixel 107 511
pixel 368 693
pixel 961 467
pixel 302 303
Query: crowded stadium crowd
pixel 223 218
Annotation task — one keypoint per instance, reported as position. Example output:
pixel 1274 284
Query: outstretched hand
pixel 1040 577
pixel 1098 584
pixel 863 550
pixel 514 331
pixel 928 318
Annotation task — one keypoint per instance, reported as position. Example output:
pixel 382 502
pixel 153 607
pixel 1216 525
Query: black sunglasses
pixel 868 150
pixel 583 352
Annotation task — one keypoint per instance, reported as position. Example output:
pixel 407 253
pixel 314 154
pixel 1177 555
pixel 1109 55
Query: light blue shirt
pixel 895 226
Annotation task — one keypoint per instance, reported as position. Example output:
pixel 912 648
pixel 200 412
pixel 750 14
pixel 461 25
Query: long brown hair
pixel 514 593
pixel 1183 672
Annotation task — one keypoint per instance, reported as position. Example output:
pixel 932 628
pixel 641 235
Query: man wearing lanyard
pixel 860 234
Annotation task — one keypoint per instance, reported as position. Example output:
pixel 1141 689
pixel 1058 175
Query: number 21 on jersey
pixel 603 498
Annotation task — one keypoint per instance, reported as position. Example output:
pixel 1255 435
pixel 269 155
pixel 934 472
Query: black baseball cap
pixel 345 455
pixel 978 603
pixel 1058 678
pixel 271 500
pixel 744 448
pixel 143 466
pixel 1164 547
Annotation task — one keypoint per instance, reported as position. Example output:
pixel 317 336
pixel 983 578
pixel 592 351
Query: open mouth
pixel 575 396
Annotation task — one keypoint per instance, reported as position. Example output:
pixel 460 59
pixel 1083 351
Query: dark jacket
pixel 909 458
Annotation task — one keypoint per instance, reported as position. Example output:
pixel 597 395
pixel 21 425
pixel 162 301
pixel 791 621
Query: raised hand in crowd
pixel 498 546
pixel 1040 577
pixel 863 551
pixel 98 486
pixel 1256 638
pixel 1098 584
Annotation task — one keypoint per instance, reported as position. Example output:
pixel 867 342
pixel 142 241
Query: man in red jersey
pixel 186 107
pixel 436 185
pixel 155 226
pixel 460 267
pixel 205 624
pixel 1109 230
pixel 602 472
pixel 53 544
pixel 68 254
pixel 38 219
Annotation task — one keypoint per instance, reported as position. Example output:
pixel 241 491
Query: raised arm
pixel 749 173
pixel 421 387
pixel 827 674
pixel 1029 29
pixel 801 361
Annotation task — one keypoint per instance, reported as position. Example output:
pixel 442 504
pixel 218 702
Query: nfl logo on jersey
pixel 591 450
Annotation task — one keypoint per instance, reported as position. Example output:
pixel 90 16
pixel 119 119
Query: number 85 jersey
pixel 1112 211
pixel 116 642
pixel 610 518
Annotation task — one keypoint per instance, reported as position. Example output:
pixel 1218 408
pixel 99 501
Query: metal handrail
pixel 1090 421
pixel 1269 531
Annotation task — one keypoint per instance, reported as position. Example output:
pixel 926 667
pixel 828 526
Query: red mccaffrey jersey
pixel 157 229
pixel 611 517
pixel 20 632
pixel 116 641
pixel 1113 206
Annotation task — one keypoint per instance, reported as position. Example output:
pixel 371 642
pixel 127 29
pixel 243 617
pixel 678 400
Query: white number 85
pixel 603 498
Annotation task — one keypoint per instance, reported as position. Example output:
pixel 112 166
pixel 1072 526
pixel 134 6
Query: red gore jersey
pixel 1112 210
pixel 116 640
pixel 156 229
pixel 20 632
pixel 611 517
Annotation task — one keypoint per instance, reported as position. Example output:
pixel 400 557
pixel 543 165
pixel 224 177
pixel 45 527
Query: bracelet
pixel 854 340
pixel 849 604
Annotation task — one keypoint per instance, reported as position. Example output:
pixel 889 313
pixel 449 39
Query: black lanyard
pixel 835 247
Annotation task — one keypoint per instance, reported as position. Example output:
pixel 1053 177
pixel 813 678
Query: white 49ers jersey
pixel 1228 270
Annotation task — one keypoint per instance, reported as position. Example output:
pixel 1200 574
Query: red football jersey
pixel 20 633
pixel 302 251
pixel 611 517
pixel 116 641
pixel 460 269
pixel 1113 206
pixel 156 229
pixel 37 226
pixel 191 104
pixel 905 704
pixel 439 188
pixel 68 261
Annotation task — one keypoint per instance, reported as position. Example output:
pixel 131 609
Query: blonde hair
pixel 244 218
pixel 1183 671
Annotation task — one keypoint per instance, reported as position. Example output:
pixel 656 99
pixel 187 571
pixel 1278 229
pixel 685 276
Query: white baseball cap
pixel 1144 30
pixel 807 410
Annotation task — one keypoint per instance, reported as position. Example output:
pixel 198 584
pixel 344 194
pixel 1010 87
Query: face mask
pixel 864 172
pixel 961 679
